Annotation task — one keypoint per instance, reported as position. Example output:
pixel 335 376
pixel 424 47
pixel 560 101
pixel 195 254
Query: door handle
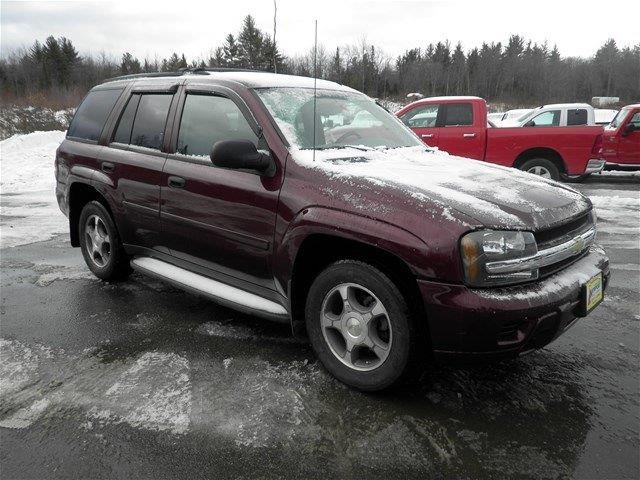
pixel 107 167
pixel 427 135
pixel 176 182
pixel 469 135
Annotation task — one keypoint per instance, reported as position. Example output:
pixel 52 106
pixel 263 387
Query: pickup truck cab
pixel 257 191
pixel 621 139
pixel 555 115
pixel 459 126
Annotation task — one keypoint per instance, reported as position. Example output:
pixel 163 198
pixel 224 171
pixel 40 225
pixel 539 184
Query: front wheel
pixel 360 325
pixel 542 167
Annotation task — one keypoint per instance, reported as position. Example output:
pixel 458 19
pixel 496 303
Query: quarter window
pixel 576 116
pixel 207 119
pixel 92 114
pixel 150 120
pixel 458 114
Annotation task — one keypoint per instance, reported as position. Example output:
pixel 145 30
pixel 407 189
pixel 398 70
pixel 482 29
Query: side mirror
pixel 242 154
pixel 530 123
pixel 629 129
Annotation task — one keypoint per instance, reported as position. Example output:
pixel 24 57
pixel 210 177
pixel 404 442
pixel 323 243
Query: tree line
pixel 518 72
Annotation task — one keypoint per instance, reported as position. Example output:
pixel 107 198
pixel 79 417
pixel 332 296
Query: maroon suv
pixel 319 207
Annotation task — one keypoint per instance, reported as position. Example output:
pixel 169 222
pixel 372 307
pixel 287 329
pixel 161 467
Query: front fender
pixel 349 226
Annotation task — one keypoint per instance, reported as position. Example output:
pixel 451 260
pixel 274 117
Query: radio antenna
pixel 275 57
pixel 315 80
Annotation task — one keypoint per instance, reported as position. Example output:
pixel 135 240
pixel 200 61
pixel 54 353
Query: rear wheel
pixel 542 167
pixel 100 243
pixel 360 325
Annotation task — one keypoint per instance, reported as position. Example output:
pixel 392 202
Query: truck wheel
pixel 542 167
pixel 360 325
pixel 100 243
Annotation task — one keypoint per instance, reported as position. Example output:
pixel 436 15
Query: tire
pixel 333 324
pixel 535 165
pixel 103 252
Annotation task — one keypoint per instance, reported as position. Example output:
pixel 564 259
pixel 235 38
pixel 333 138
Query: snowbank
pixel 28 208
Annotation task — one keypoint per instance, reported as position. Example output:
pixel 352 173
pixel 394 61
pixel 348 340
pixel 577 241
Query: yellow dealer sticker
pixel 594 292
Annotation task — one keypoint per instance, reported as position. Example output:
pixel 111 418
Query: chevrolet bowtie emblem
pixel 578 245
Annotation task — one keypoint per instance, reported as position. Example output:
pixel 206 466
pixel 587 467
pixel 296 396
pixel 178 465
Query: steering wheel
pixel 355 135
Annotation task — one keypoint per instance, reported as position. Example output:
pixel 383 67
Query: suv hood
pixel 492 195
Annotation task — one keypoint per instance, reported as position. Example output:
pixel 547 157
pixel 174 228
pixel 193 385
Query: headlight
pixel 484 246
pixel 593 218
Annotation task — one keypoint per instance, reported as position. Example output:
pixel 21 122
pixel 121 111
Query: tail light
pixel 597 146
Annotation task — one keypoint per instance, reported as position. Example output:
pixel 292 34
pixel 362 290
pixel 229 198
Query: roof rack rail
pixel 144 75
pixel 180 72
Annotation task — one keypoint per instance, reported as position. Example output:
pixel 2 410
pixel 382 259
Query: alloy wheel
pixel 356 327
pixel 541 171
pixel 98 242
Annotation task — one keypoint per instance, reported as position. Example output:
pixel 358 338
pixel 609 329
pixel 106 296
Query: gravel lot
pixel 140 380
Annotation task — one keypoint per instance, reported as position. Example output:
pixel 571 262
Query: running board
pixel 219 292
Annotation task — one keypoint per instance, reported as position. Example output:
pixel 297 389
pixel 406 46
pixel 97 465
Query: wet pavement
pixel 141 380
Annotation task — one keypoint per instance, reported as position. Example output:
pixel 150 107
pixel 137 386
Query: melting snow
pixel 480 190
pixel 155 394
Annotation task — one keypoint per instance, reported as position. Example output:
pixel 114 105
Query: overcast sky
pixel 148 28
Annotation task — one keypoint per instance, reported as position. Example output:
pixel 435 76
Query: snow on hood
pixel 494 196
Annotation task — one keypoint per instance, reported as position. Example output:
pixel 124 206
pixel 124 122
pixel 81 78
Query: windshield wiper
pixel 341 147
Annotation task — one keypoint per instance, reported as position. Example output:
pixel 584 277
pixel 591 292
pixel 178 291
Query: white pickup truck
pixel 556 115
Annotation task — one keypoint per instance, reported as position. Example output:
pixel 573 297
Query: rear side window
pixel 150 120
pixel 92 114
pixel 207 119
pixel 458 114
pixel 576 116
pixel 123 132
pixel 421 117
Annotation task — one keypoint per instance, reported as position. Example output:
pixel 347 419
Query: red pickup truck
pixel 459 126
pixel 621 139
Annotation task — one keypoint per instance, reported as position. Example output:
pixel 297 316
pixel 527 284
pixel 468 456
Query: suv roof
pixel 247 78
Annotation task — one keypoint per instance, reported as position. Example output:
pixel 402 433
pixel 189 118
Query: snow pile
pixel 28 207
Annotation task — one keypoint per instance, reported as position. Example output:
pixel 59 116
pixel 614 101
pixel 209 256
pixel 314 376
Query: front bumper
pixel 595 165
pixel 507 321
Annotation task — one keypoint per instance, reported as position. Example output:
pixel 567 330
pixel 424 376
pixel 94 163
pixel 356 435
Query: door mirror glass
pixel 241 154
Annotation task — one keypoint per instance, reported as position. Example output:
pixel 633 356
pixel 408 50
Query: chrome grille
pixel 559 234
pixel 558 247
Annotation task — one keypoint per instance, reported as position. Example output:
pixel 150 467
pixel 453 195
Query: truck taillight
pixel 597 146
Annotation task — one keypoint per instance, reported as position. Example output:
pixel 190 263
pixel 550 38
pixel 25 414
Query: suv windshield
pixel 342 119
